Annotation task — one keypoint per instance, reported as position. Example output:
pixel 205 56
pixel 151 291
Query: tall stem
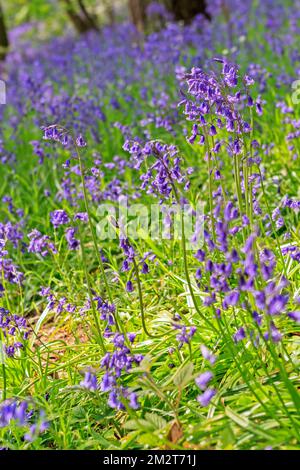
pixel 271 220
pixel 187 275
pixel 91 224
pixel 241 371
pixel 183 244
pixel 209 171
pixel 250 173
pixel 141 300
pixel 95 314
pixel 2 358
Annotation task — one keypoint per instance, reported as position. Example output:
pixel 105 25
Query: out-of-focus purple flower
pixel 80 142
pixel 40 243
pixel 20 413
pixel 203 379
pixel 133 401
pixel 13 411
pixel 129 286
pixel 131 337
pixel 145 268
pixel 89 382
pixel 239 335
pixel 82 216
pixel 207 354
pixel 231 298
pixel 206 397
pixel 73 243
pixel 277 304
pixel 275 336
pixel 295 316
pixel 156 9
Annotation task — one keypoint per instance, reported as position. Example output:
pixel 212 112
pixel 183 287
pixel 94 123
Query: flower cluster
pixel 115 364
pixel 166 170
pixel 185 333
pixel 156 9
pixel 131 258
pixel 59 217
pixel 107 312
pixel 15 331
pixel 40 243
pixel 10 271
pixel 22 414
pixel 203 380
pixel 73 243
pixel 118 362
pixel 12 233
pixel 59 305
pixel 214 107
pixel 241 278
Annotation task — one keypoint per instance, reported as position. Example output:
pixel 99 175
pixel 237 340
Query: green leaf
pixel 156 420
pixel 245 423
pixel 183 375
pixel 41 320
pixel 139 424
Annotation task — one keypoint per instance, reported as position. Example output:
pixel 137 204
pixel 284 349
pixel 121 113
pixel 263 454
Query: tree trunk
pixel 182 10
pixel 82 21
pixel 137 10
pixel 87 16
pixel 4 42
pixel 186 10
pixel 110 12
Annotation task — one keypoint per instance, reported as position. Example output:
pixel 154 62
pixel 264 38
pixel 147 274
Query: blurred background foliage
pixel 50 17
pixel 42 19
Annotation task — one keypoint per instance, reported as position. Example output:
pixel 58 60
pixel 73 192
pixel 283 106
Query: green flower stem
pixel 95 314
pixel 271 220
pixel 136 271
pixel 91 224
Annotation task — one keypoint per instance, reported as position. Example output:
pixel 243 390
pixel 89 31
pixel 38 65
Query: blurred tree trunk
pixel 185 10
pixel 4 42
pixel 81 20
pixel 137 10
pixel 182 10
pixel 89 19
pixel 110 11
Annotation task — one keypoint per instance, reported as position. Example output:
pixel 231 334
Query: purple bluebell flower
pixel 129 286
pixel 275 335
pixel 40 243
pixel 20 413
pixel 73 243
pixel 133 401
pixel 295 316
pixel 82 216
pixel 203 379
pixel 239 335
pixel 207 354
pixel 80 142
pixel 206 397
pixel 90 381
pixel 145 268
pixel 59 217
pixel 131 337
pixel 107 383
pixel 277 304
pixel 231 299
